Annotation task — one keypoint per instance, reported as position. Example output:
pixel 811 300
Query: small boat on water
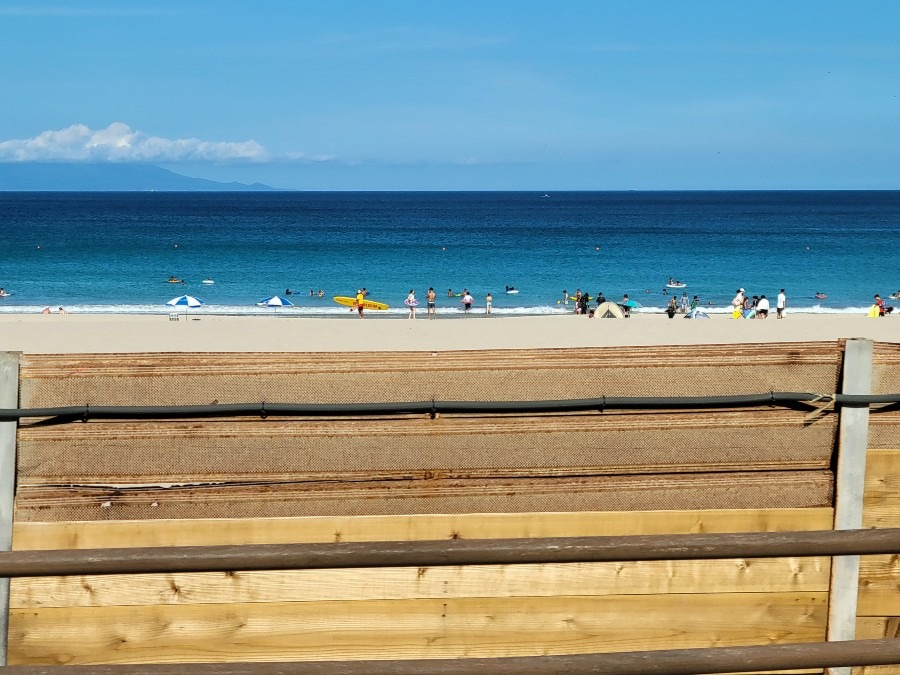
pixel 676 284
pixel 207 282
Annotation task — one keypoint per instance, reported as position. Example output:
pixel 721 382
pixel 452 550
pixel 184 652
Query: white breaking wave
pixel 338 311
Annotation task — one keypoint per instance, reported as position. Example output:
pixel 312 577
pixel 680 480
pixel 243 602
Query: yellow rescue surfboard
pixel 351 302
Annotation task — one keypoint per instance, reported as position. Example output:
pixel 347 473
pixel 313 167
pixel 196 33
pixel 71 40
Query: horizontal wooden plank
pixel 884 426
pixel 451 628
pixel 870 628
pixel 749 490
pixel 128 533
pixel 881 499
pixel 881 516
pixel 879 585
pixel 450 446
pixel 882 486
pixel 185 378
pixel 881 502
pixel 773 575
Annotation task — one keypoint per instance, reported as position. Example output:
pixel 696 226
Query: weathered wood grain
pixel 191 532
pixel 774 575
pixel 451 628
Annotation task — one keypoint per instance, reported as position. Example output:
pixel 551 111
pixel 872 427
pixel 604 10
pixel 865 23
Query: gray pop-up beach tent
pixel 609 310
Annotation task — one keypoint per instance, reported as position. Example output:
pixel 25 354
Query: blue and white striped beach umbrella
pixel 185 301
pixel 275 301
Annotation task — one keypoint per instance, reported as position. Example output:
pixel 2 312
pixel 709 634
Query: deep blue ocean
pixel 114 252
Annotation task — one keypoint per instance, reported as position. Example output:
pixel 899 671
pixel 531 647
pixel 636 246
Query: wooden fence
pixel 129 483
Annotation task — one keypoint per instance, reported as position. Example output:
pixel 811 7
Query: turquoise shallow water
pixel 115 251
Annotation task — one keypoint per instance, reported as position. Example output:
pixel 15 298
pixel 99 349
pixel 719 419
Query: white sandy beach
pixel 98 333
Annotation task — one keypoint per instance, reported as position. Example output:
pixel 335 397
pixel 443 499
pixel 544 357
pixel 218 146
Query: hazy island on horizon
pixel 108 177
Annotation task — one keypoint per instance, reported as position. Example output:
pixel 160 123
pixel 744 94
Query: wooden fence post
pixel 853 438
pixel 9 398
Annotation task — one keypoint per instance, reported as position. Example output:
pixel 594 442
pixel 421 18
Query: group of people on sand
pixel 757 307
pixel 684 307
pixel 880 308
pixel 46 310
pixel 466 299
pixel 583 301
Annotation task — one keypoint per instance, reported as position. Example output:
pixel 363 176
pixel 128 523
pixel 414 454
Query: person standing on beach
pixel 684 302
pixel 488 302
pixel 762 308
pixel 585 299
pixel 411 303
pixel 737 305
pixel 565 297
pixel 430 298
pixel 780 303
pixel 880 304
pixel 360 300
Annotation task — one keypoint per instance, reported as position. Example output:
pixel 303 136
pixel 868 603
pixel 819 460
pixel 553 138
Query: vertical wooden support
pixel 9 398
pixel 853 441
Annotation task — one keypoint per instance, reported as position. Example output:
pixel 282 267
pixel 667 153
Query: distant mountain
pixel 76 177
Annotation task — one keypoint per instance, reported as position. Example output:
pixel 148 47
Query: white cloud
pixel 119 143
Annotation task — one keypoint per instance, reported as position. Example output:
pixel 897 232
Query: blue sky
pixel 446 95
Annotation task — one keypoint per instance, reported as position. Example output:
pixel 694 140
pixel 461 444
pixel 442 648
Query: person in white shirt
pixel 737 304
pixel 780 303
pixel 762 307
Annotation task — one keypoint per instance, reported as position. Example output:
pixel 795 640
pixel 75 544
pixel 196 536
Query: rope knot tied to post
pixel 829 401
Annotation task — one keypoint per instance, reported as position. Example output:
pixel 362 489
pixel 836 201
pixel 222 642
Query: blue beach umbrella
pixel 275 301
pixel 185 301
